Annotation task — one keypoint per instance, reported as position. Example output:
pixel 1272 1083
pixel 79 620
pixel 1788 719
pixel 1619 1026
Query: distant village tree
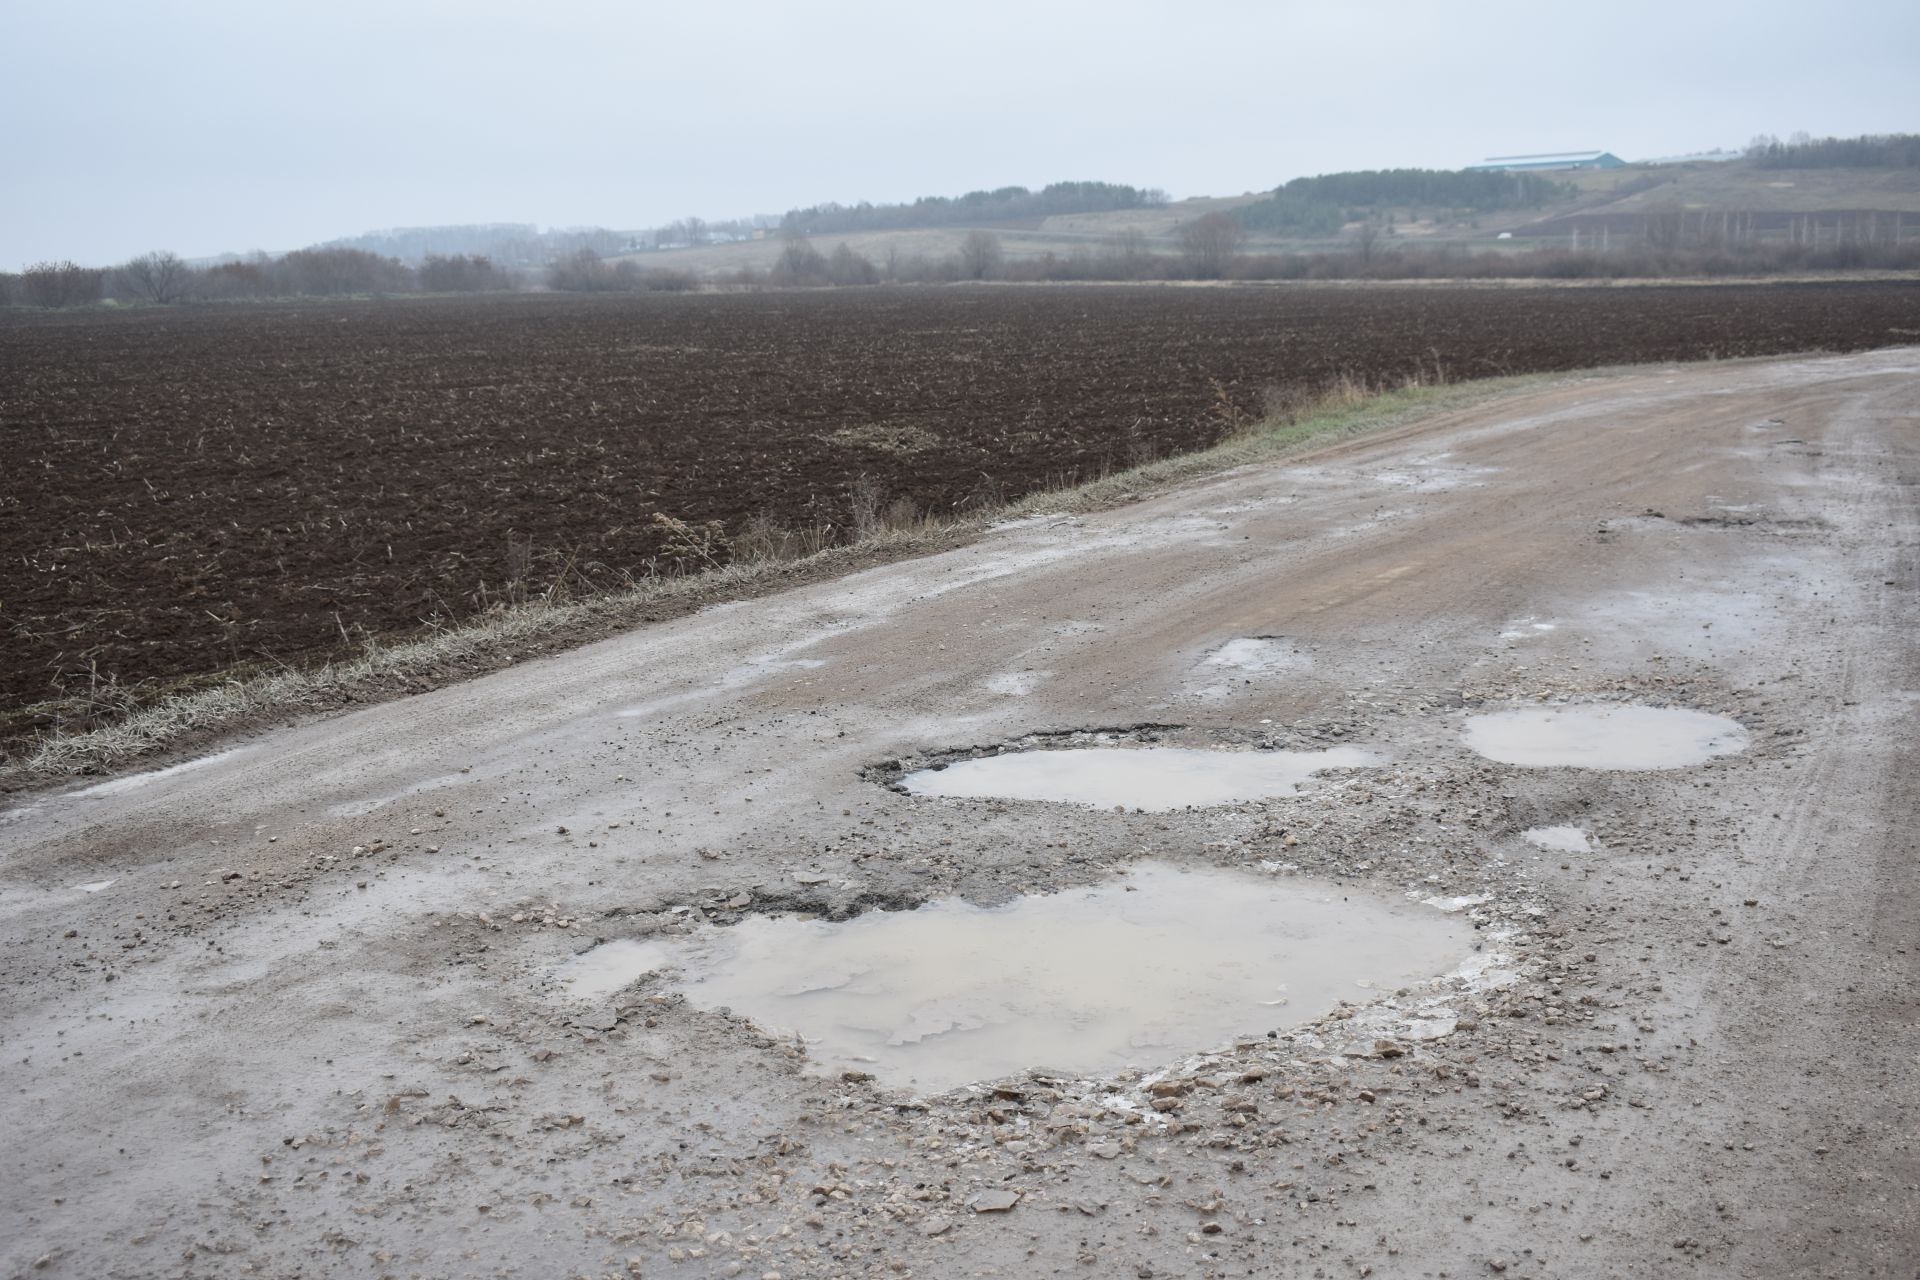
pixel 1210 244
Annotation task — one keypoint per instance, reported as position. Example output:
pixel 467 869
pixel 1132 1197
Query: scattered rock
pixel 998 1200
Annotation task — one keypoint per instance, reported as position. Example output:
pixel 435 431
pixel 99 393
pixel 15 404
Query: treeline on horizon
pixel 506 243
pixel 166 278
pixel 1321 205
pixel 1869 151
pixel 1211 250
pixel 1005 204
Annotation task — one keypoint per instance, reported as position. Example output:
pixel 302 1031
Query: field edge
pixel 231 703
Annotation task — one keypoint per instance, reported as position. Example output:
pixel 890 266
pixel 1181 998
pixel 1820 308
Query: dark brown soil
pixel 195 488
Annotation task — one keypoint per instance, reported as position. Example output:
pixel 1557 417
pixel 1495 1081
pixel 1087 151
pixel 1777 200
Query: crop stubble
pixel 190 488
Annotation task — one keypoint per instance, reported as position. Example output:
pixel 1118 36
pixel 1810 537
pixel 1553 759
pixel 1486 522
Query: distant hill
pixel 513 244
pixel 1771 198
pixel 1158 225
pixel 1858 188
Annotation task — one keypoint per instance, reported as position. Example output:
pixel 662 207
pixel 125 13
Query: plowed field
pixel 189 488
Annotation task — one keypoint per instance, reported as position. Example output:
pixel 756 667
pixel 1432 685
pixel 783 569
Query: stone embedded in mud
pixel 1147 779
pixel 1604 736
pixel 1135 972
pixel 995 1201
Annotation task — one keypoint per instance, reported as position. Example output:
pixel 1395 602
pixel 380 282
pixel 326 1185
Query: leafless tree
pixel 1665 225
pixel 980 254
pixel 159 277
pixel 799 263
pixel 1128 256
pixel 1210 244
pixel 1366 241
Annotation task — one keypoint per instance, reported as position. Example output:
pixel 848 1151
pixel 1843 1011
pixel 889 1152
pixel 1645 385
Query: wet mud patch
pixel 1729 518
pixel 1089 981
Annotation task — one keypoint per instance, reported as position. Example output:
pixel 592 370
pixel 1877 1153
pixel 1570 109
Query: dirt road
pixel 294 1010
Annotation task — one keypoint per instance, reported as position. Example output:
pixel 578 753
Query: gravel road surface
pixel 296 1009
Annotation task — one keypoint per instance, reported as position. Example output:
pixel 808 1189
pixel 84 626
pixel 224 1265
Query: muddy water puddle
pixel 1088 981
pixel 1604 737
pixel 1150 779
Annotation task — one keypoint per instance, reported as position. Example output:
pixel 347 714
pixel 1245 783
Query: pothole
pixel 1604 737
pixel 1087 981
pixel 1149 779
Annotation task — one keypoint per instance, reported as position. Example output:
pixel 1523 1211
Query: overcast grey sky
pixel 211 125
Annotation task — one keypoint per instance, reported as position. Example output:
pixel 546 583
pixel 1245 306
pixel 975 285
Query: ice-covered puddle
pixel 134 781
pixel 1136 972
pixel 1604 737
pixel 1154 779
pixel 1244 661
pixel 1558 839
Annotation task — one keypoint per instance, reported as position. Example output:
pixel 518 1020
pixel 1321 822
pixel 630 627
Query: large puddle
pixel 1604 737
pixel 1154 779
pixel 1086 981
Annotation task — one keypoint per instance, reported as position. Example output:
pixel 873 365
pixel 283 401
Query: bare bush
pixel 864 497
pixel 332 273
pixel 667 280
pixel 1210 243
pixel 689 548
pixel 845 267
pixel 799 265
pixel 586 272
pixel 761 538
pixel 901 514
pixel 235 280
pixel 462 273
pixel 61 284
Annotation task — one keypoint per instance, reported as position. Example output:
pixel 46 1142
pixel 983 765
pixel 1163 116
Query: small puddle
pixel 1558 839
pixel 1604 737
pixel 1149 779
pixel 1088 981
